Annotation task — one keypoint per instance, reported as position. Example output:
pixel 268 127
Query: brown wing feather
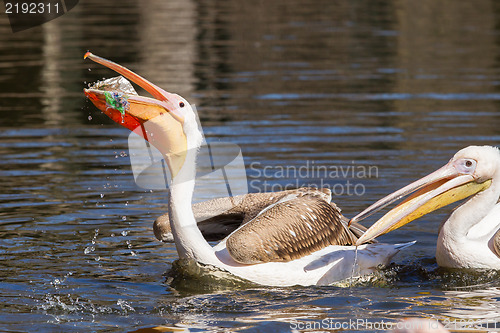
pixel 219 217
pixel 289 230
pixel 496 243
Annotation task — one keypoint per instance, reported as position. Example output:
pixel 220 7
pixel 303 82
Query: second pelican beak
pixel 440 188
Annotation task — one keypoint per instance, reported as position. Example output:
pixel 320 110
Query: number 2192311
pixel 31 8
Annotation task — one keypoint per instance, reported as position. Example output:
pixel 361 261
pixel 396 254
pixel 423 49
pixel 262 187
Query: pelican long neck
pixel 188 238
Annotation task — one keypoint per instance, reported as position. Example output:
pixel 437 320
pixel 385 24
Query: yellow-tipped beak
pixel 432 192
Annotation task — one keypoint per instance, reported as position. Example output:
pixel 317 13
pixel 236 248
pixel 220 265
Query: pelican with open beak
pixel 470 238
pixel 294 237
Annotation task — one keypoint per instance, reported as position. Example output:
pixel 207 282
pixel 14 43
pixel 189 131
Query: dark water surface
pixel 394 87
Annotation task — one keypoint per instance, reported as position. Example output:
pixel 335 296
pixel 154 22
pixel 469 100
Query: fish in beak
pixel 163 113
pixel 455 181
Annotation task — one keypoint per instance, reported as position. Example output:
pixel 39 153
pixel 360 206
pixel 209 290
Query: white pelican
pixel 299 239
pixel 470 238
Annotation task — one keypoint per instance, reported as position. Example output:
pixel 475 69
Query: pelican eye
pixel 181 104
pixel 466 165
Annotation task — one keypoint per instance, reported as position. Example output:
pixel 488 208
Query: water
pixel 398 86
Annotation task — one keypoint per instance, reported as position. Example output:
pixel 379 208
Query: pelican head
pixel 471 171
pixel 169 116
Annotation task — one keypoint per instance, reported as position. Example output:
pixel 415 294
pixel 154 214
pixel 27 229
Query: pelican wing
pixel 496 243
pixel 496 238
pixel 289 229
pixel 216 219
pixel 219 217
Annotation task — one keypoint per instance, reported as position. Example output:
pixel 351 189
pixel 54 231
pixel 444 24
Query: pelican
pixel 298 238
pixel 470 237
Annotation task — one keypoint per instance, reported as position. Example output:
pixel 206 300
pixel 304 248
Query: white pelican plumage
pixel 470 238
pixel 300 238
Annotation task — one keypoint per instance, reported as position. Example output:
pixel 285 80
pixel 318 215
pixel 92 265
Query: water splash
pixel 125 306
pixel 57 282
pixel 89 249
pixel 353 266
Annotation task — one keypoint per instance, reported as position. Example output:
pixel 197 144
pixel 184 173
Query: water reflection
pixel 476 308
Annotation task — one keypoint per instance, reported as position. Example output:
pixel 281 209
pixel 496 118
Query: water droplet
pixel 124 218
pixel 124 233
pixel 89 249
pixel 102 195
pixel 125 306
pixel 96 233
pixel 90 70
pixel 90 118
